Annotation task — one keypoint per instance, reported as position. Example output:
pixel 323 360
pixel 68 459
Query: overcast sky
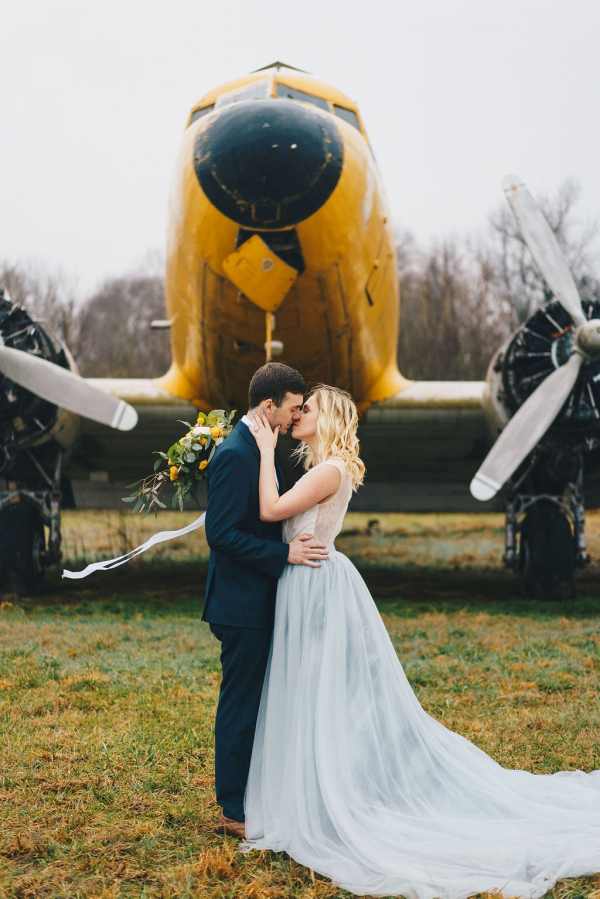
pixel 454 93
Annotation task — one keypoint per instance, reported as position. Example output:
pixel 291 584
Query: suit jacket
pixel 246 554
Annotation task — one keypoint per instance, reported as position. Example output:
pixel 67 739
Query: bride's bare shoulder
pixel 319 471
pixel 337 463
pixel 327 476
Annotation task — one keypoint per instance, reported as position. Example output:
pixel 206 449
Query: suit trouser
pixel 244 656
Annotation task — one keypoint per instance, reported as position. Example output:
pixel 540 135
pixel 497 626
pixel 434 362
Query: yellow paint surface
pixel 260 274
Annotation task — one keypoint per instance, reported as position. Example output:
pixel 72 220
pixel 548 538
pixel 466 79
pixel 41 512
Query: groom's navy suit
pixel 246 558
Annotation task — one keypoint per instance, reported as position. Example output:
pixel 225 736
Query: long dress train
pixel 352 778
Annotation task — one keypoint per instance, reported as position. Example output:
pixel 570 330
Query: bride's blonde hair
pixel 336 427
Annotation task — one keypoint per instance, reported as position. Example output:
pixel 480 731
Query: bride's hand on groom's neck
pixel 262 432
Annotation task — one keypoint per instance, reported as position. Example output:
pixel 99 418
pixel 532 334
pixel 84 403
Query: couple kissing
pixel 322 749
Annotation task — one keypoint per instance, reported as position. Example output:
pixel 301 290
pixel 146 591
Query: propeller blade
pixel 527 426
pixel 543 246
pixel 63 388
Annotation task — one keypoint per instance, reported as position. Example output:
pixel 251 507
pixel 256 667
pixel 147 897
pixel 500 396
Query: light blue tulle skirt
pixel 353 779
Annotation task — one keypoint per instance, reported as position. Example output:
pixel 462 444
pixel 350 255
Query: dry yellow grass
pixel 108 689
pixel 441 540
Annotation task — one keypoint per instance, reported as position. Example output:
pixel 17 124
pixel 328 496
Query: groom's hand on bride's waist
pixel 305 550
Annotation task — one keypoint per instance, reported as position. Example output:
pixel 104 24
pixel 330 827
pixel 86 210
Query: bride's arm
pixel 321 483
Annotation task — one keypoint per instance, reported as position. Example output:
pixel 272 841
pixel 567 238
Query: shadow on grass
pixel 169 589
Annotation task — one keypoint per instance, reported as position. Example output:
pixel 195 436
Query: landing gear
pixel 24 516
pixel 551 545
pixel 546 553
pixel 23 556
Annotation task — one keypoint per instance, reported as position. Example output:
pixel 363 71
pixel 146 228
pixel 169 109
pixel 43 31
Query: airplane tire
pixel 547 554
pixel 22 549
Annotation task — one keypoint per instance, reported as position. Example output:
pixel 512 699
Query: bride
pixel 349 775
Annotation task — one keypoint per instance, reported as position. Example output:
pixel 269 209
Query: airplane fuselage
pixel 285 157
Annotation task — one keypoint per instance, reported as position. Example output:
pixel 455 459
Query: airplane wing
pixel 421 446
pixel 106 460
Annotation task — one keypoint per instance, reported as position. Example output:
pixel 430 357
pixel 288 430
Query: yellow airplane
pixel 278 207
pixel 280 243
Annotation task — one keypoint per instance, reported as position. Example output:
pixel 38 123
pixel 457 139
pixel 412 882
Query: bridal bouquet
pixel 185 463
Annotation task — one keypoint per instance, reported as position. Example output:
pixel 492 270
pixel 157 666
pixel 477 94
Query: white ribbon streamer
pixel 120 560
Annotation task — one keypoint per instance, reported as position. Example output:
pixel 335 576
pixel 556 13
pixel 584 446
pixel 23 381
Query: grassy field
pixel 108 689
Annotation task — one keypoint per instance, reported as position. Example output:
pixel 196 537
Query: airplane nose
pixel 268 163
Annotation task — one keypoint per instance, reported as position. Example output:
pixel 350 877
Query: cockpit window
pixel 257 90
pixel 290 93
pixel 348 115
pixel 198 113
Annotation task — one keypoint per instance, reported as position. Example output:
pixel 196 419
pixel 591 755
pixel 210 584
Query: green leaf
pixel 180 498
pixel 128 499
pixel 158 503
pixel 138 506
pixel 131 486
pixel 186 423
pixel 189 457
pixel 211 454
pixel 157 464
pixel 174 501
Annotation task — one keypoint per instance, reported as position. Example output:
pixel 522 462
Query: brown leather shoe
pixel 231 828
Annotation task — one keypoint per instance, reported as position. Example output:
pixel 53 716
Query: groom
pixel 246 558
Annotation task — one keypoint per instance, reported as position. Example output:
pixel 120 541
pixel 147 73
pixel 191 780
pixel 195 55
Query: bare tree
pixel 461 301
pixel 518 278
pixel 49 296
pixel 451 321
pixel 115 339
pixel 109 334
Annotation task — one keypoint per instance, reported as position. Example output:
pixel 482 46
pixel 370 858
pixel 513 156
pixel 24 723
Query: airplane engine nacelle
pixel 536 350
pixel 26 421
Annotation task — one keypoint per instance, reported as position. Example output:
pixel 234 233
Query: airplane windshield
pixel 257 90
pixel 198 113
pixel 348 115
pixel 290 93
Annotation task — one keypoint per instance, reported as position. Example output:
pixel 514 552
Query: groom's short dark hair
pixel 272 382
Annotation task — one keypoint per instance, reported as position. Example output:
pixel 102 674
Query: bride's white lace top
pixel 323 521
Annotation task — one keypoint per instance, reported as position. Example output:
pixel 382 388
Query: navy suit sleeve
pixel 226 510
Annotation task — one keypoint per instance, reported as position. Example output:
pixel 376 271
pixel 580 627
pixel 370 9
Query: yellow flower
pixel 203 440
pixel 174 472
pixel 201 419
pixel 216 432
pixel 203 464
